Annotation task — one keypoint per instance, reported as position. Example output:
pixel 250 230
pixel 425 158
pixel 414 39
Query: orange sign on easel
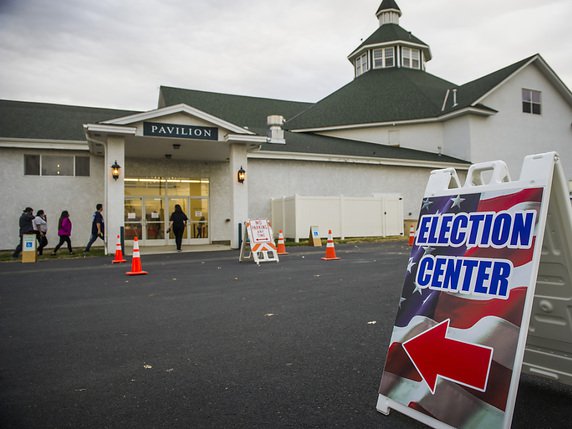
pixel 258 244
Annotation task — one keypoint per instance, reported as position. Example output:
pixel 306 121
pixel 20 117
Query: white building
pixel 381 133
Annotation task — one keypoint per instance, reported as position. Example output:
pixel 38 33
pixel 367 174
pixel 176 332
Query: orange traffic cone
pixel 281 245
pixel 411 235
pixel 136 262
pixel 330 250
pixel 118 253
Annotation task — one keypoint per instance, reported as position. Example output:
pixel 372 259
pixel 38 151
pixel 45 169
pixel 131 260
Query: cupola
pixel 390 46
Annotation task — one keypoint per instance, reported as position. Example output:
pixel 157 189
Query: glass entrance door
pixel 133 218
pixel 145 219
pixel 149 203
pixel 199 220
pixel 154 224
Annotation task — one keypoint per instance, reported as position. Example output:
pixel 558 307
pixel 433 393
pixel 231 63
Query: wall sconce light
pixel 241 176
pixel 115 170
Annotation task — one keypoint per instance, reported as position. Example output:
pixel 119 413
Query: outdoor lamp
pixel 241 176
pixel 115 170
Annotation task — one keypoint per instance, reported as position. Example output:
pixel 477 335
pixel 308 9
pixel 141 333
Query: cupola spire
pixel 388 13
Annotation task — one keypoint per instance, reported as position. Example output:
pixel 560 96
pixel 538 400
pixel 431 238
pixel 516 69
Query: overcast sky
pixel 116 53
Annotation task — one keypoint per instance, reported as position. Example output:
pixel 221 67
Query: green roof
pixel 318 144
pixel 236 109
pixel 46 121
pixel 252 112
pixel 398 94
pixel 377 96
pixel 393 33
pixel 27 120
pixel 469 93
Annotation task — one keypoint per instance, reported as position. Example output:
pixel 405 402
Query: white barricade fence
pixel 378 216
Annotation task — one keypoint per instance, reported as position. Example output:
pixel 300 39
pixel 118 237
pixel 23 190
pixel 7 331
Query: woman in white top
pixel 40 224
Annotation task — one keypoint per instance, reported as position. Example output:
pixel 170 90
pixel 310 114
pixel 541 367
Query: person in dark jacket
pixel 177 223
pixel 97 227
pixel 26 227
pixel 64 232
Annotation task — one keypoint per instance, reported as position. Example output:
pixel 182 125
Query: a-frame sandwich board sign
pixel 258 243
pixel 490 266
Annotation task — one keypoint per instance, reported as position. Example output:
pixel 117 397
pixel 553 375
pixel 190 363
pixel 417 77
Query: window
pixel 361 64
pixel 32 165
pixel 411 58
pixel 531 101
pixel 383 58
pixel 415 61
pixel 82 166
pixel 389 57
pixel 56 165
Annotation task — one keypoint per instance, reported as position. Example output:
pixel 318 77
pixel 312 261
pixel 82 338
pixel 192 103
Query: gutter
pixel 299 156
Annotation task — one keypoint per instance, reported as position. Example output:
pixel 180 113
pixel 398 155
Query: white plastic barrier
pixel 377 216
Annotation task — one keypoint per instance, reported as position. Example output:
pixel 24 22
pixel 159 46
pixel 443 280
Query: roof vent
pixel 275 133
pixel 454 104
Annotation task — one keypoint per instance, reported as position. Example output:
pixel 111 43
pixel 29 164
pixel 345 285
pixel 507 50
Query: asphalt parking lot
pixel 204 341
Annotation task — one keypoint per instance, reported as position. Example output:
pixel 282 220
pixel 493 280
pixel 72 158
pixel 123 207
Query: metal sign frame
pixel 445 373
pixel 258 243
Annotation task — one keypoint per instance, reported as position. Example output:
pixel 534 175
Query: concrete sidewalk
pixel 162 250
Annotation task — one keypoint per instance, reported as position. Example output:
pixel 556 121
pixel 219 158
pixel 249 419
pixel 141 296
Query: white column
pixel 239 191
pixel 113 205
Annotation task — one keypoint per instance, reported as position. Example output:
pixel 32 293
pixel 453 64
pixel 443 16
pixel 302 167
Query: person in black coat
pixel 177 223
pixel 26 227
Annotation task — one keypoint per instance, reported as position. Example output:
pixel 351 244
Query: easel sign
pixel 314 237
pixel 460 335
pixel 258 244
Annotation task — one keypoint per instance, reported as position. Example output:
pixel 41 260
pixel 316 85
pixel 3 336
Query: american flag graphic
pixel 480 320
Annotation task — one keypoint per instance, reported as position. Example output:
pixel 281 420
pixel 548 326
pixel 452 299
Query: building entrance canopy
pixel 179 133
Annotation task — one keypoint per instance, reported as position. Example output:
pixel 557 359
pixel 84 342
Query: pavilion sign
pixel 180 131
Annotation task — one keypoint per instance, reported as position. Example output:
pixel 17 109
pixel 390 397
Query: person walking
pixel 201 227
pixel 64 232
pixel 97 227
pixel 40 224
pixel 177 223
pixel 26 227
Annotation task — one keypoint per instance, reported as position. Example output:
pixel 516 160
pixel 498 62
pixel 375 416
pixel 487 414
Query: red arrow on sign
pixel 434 355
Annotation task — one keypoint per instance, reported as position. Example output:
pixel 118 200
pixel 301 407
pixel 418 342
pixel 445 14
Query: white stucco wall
pixel 457 138
pixel 266 178
pixel 78 195
pixel 274 179
pixel 510 135
pixel 220 203
pixel 425 137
